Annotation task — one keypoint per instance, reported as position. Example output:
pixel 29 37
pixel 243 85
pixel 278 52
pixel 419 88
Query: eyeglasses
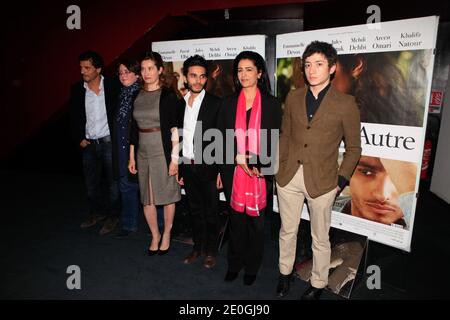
pixel 125 73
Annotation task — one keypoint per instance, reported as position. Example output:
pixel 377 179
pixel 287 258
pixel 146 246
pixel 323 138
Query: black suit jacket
pixel 270 119
pixel 168 105
pixel 207 114
pixel 77 107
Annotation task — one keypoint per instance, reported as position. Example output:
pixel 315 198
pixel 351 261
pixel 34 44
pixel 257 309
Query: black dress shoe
pixel 249 279
pixel 209 262
pixel 284 284
pixel 192 257
pixel 231 276
pixel 109 225
pixel 311 293
pixel 152 252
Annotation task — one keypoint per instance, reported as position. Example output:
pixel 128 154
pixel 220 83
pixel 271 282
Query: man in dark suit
pixel 93 104
pixel 198 113
pixel 316 119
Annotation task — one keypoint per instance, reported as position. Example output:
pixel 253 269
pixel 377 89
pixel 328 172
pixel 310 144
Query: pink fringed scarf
pixel 249 193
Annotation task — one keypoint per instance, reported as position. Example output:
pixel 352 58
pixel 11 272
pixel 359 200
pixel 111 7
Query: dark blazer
pixel 315 144
pixel 270 119
pixel 115 142
pixel 168 105
pixel 207 115
pixel 77 107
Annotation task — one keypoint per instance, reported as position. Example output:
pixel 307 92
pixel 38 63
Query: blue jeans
pixel 129 192
pixel 102 189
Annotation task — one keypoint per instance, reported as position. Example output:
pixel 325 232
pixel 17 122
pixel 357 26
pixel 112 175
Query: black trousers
pixel 203 200
pixel 246 246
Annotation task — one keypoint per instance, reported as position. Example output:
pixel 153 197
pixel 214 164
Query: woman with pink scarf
pixel 253 117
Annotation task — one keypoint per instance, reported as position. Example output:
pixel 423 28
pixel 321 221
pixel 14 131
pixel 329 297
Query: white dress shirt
pixel 189 123
pixel 96 119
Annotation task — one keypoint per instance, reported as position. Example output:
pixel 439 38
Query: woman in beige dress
pixel 154 136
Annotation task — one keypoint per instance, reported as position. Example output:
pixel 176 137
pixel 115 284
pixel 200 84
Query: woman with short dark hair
pixel 129 73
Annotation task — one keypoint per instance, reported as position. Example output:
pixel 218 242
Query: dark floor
pixel 40 238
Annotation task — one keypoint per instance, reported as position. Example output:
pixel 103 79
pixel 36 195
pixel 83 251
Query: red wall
pixel 40 60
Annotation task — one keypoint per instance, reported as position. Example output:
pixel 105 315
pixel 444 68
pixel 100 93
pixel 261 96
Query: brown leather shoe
pixel 191 257
pixel 92 220
pixel 108 226
pixel 210 261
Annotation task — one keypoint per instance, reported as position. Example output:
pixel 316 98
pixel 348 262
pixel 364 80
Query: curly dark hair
pixel 324 48
pixel 195 61
pixel 94 57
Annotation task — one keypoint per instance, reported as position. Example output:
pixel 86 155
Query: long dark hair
pixel 380 90
pixel 258 61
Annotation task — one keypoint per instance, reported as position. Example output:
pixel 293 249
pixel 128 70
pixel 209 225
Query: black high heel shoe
pixel 153 252
pixel 163 252
pixel 230 276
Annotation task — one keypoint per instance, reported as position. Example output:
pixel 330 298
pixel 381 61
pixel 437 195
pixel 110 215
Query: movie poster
pixel 389 71
pixel 219 52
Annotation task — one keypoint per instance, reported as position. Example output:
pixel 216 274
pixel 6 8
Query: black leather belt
pixel 106 139
pixel 188 161
pixel 147 130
